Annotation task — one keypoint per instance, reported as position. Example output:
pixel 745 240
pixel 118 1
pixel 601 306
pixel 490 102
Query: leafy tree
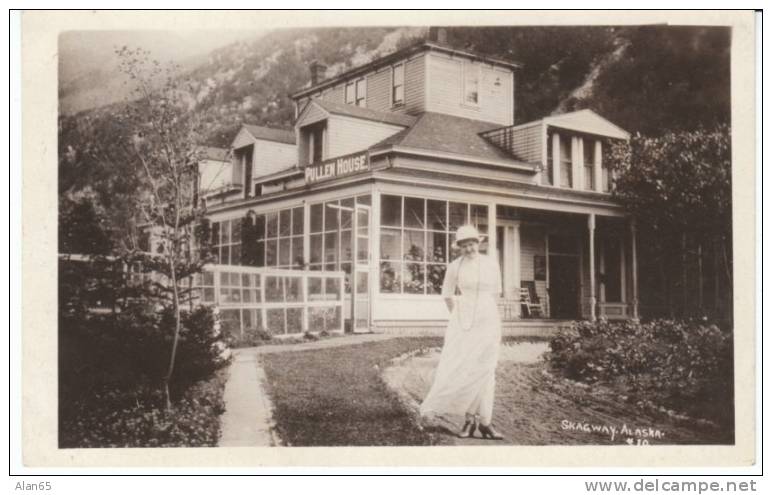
pixel 678 188
pixel 160 137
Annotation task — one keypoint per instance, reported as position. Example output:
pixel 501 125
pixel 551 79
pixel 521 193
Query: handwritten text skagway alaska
pixel 345 165
pixel 631 435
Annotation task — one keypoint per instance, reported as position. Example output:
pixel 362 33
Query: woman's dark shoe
pixel 467 431
pixel 489 432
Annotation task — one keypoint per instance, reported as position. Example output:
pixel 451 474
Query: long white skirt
pixel 465 378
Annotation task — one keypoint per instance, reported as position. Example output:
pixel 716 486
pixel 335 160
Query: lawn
pixel 335 396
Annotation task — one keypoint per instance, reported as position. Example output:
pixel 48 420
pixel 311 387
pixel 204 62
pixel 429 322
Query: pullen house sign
pixel 338 167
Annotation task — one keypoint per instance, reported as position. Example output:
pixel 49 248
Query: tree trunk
pixel 177 325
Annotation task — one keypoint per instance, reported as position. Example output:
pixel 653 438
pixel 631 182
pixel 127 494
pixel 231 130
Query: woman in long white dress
pixel 465 378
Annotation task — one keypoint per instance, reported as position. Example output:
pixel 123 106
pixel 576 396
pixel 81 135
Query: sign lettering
pixel 337 167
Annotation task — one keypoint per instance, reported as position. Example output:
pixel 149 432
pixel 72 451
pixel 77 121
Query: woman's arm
pixel 449 284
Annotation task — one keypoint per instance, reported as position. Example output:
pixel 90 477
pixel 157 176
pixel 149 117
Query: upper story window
pixel 398 85
pixel 361 90
pixel 588 148
pixel 471 84
pixel 316 145
pixel 356 92
pixel 566 172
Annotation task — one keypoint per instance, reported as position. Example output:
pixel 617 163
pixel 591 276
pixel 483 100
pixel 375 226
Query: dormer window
pixel 471 84
pixel 398 85
pixel 316 137
pixel 350 93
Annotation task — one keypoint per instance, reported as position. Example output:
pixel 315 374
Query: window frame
pixel 360 97
pixel 394 85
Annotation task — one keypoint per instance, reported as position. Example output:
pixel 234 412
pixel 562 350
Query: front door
pixel 564 286
pixel 360 283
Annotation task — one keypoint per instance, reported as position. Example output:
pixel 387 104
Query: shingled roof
pixel 364 113
pixel 449 134
pixel 271 134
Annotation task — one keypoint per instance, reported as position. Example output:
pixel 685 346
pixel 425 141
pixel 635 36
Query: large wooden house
pixel 388 159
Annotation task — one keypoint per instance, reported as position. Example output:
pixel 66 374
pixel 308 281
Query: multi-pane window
pixel 565 162
pixel 332 237
pixel 589 164
pixel 361 92
pixel 226 241
pixel 471 83
pixel 316 138
pixel 279 237
pixel 398 85
pixel 417 242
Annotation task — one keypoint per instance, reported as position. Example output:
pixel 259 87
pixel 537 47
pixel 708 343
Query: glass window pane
pixel 345 245
pixel 457 213
pixel 413 278
pixel 332 289
pixel 480 217
pixel 236 254
pixel 346 214
pixel 294 320
pixel 316 319
pixel 285 251
pixel 331 216
pixel 390 244
pixel 274 289
pixel 362 285
pixel 225 278
pixel 363 249
pixel 248 319
pixel 225 232
pixel 208 294
pixel 235 231
pixel 414 245
pixel 414 213
pixel 297 220
pixel 285 222
pixel 316 217
pixel 293 289
pixel 346 268
pixel 315 289
pixel 208 278
pixel 436 215
pixel 275 317
pixel 270 252
pixel 390 277
pixel 331 247
pixel 272 227
pixel 316 248
pixel 260 253
pixel 391 210
pixel 435 274
pixel 364 199
pixel 436 246
pixel 297 252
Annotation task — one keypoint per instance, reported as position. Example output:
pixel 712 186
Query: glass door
pixel 360 290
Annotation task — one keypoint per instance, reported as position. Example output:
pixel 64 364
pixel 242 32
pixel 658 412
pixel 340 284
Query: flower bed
pixel 682 365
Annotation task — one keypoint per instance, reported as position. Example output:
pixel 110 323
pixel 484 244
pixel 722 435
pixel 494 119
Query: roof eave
pixel 510 165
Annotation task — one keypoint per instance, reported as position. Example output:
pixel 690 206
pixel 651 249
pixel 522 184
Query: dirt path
pixel 532 408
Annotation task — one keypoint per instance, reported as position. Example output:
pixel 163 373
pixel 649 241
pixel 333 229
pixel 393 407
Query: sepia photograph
pixel 419 235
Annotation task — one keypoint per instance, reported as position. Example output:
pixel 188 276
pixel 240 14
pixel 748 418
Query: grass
pixel 335 396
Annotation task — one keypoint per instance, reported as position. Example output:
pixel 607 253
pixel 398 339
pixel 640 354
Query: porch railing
pixel 282 302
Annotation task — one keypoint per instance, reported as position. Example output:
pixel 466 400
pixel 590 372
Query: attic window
pixel 471 84
pixel 398 85
pixel 350 93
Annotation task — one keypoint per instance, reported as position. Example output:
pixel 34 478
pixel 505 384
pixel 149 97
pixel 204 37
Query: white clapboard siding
pixel 378 89
pixel 271 157
pixel 445 93
pixel 348 135
pixel 415 82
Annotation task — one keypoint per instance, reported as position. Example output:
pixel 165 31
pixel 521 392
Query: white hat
pixel 466 232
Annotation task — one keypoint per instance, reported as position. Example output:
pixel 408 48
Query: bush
pixel 686 365
pixel 252 337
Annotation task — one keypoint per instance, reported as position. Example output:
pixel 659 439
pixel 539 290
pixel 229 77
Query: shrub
pixel 252 337
pixel 685 365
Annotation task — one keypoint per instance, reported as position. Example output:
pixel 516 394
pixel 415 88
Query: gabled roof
pixel 211 153
pixel 356 112
pixel 587 121
pixel 270 134
pixel 447 134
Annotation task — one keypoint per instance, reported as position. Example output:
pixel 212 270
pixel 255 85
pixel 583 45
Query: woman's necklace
pixel 476 296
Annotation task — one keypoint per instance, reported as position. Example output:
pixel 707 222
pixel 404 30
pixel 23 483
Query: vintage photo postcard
pixel 389 239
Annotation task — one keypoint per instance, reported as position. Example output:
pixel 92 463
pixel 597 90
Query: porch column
pixel 512 264
pixel 591 237
pixel 597 166
pixel 634 270
pixel 492 242
pixel 556 159
pixel 306 234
